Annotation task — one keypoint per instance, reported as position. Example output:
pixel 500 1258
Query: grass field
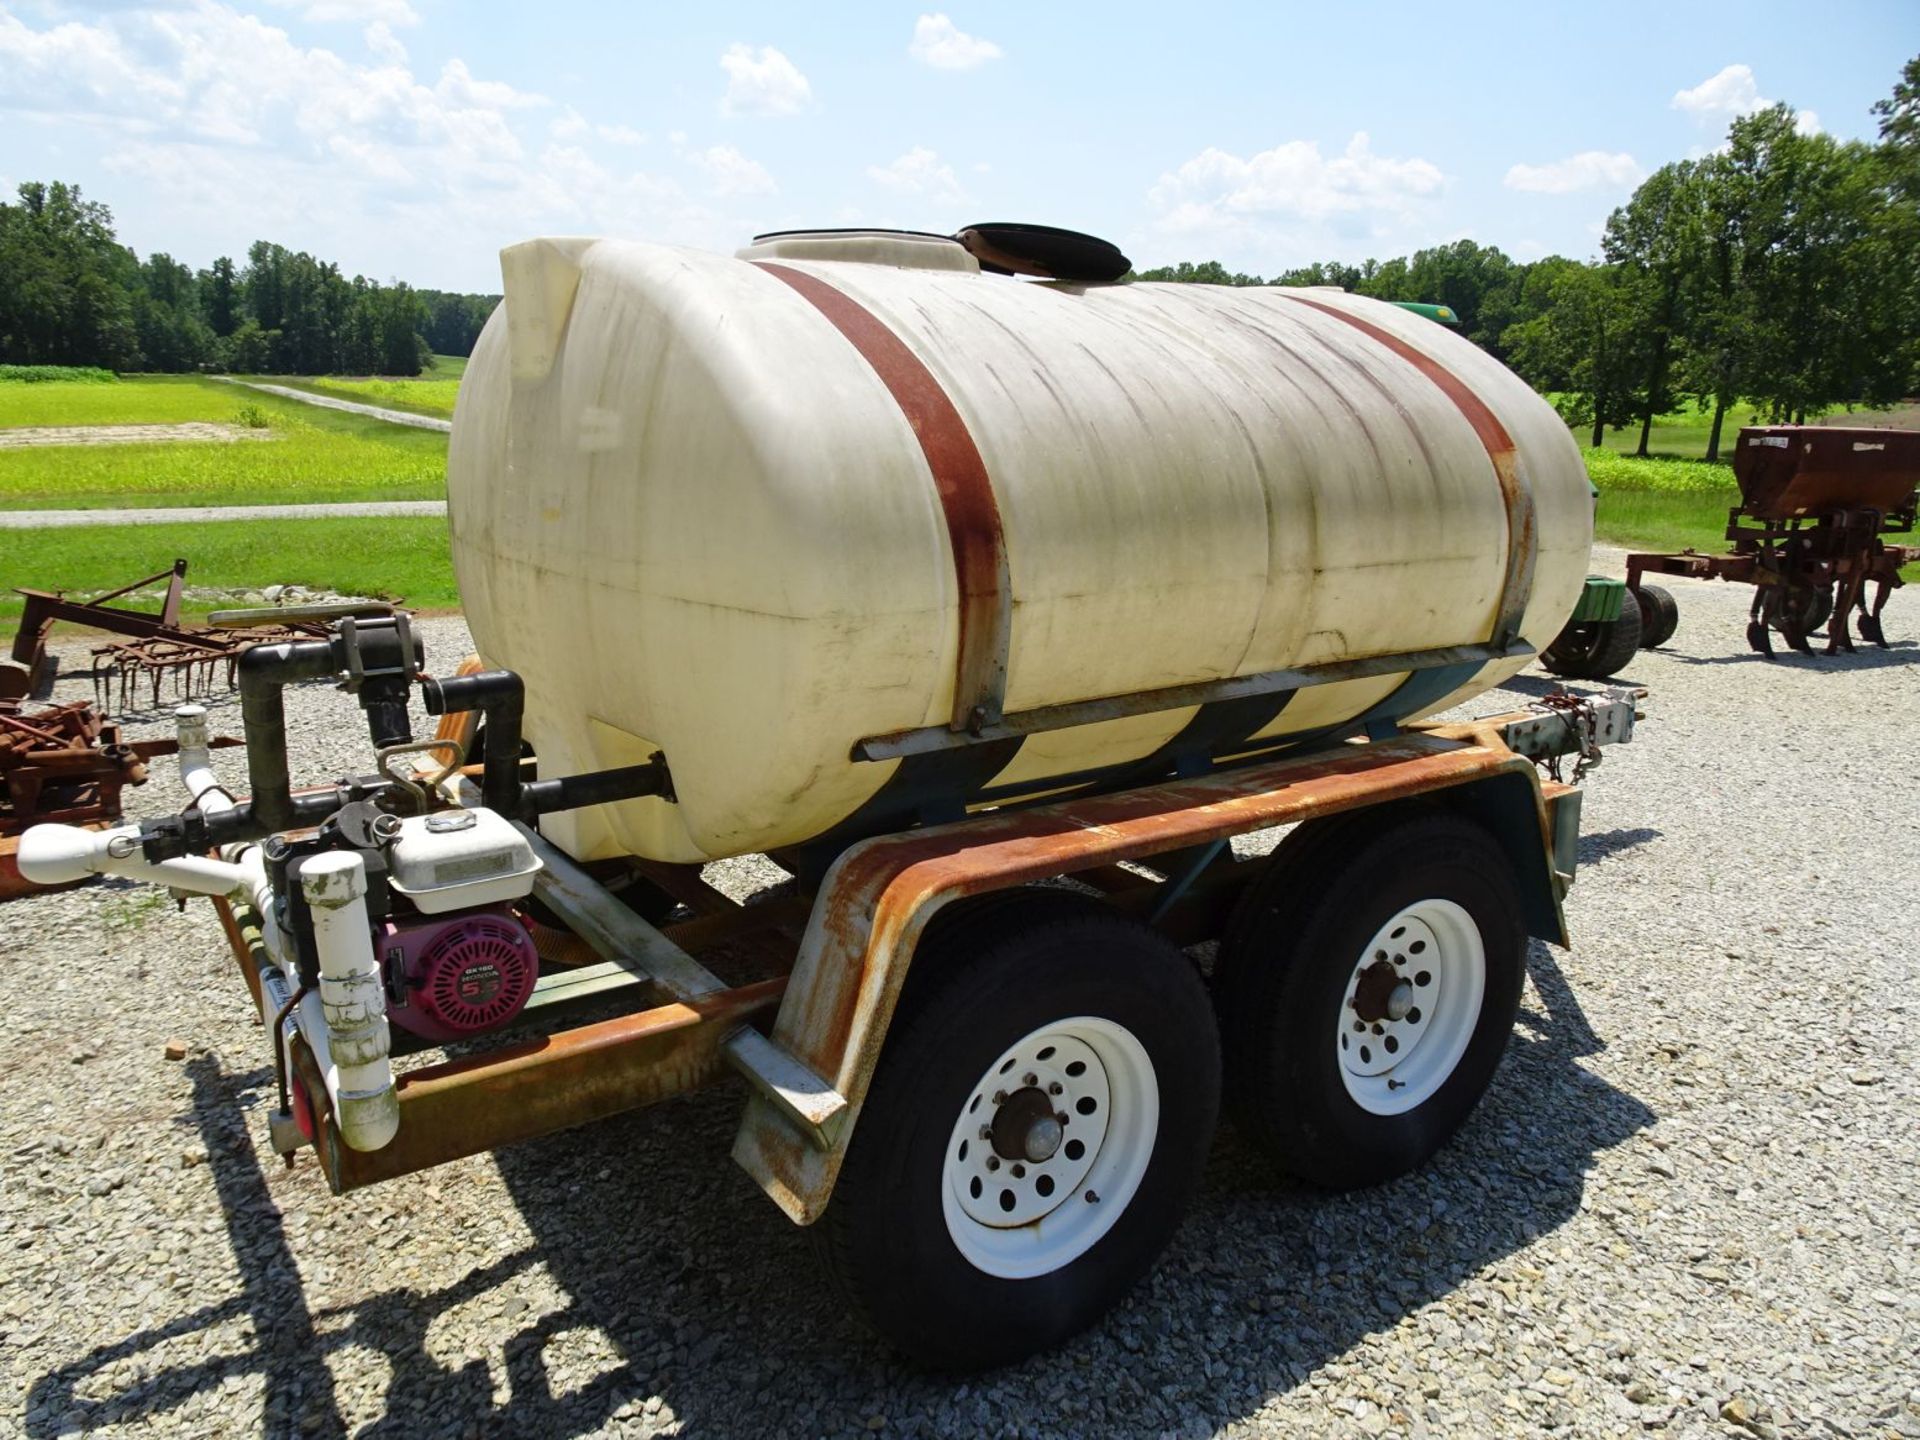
pixel 1683 434
pixel 314 455
pixel 429 395
pixel 403 558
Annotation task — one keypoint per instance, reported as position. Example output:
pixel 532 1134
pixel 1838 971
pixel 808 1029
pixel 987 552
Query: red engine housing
pixel 450 976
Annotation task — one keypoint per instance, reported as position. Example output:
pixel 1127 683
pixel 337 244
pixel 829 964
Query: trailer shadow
pixel 703 1306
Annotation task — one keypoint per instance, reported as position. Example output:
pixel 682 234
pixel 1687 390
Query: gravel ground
pixel 1688 1207
pixel 19 437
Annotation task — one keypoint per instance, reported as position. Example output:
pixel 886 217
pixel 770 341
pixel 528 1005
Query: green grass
pixel 46 374
pixel 313 455
pixel 429 395
pixel 402 558
pixel 1683 434
pixel 448 367
pixel 145 400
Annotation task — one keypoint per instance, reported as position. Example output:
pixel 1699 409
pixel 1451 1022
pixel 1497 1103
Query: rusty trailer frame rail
pixel 808 1039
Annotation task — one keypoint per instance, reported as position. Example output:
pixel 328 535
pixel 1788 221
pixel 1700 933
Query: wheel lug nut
pixel 986 1132
pixel 1055 1088
pixel 1029 1079
pixel 1019 1172
pixel 993 1162
pixel 999 1097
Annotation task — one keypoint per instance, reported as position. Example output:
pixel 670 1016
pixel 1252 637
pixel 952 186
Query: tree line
pixel 71 294
pixel 1781 271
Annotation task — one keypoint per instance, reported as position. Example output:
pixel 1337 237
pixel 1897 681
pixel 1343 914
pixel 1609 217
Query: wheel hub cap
pixel 1026 1127
pixel 1410 1007
pixel 1050 1146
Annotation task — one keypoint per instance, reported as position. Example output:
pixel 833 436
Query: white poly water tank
pixel 750 511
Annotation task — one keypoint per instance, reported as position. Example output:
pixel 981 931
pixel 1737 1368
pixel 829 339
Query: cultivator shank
pixel 1809 533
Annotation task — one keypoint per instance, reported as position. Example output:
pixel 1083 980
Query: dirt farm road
pixel 352 407
pixel 177 514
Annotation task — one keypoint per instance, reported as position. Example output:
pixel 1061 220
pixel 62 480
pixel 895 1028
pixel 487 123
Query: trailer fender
pixel 878 897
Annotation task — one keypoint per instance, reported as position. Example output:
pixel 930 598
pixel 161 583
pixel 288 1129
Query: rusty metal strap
pixel 1516 585
pixel 965 490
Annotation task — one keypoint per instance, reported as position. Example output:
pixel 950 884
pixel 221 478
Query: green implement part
pixel 1443 314
pixel 1600 599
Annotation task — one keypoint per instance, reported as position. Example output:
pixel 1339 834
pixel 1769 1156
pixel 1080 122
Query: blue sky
pixel 414 138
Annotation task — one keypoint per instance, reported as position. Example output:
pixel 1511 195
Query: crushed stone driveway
pixel 1688 1209
pixel 352 407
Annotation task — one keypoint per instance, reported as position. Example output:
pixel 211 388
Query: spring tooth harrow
pixel 157 646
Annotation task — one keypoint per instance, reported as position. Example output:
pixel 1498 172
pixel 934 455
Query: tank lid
pixel 909 249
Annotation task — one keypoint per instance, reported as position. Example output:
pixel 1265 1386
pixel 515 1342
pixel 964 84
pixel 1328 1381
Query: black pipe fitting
pixel 602 787
pixel 264 671
pixel 500 697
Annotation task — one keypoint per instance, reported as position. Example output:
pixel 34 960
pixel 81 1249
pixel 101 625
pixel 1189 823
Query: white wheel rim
pixel 1410 1007
pixel 1017 1216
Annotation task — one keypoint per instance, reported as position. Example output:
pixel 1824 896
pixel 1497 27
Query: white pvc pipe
pixel 352 1001
pixel 62 854
pixel 196 761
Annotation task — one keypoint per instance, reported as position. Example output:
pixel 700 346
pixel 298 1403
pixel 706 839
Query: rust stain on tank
pixel 959 476
pixel 1517 584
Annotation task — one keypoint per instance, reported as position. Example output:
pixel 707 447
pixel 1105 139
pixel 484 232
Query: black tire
pixel 1288 961
pixel 1659 615
pixel 982 980
pixel 1595 649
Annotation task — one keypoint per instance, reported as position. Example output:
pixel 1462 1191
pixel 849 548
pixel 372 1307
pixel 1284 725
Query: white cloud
pixel 919 172
pixel 729 172
pixel 353 12
pixel 1807 122
pixel 938 42
pixel 217 127
pixel 1292 180
pixel 762 81
pixel 1293 203
pixel 1590 169
pixel 1730 93
pixel 383 44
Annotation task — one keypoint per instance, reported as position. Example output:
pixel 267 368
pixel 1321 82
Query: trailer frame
pixel 808 1036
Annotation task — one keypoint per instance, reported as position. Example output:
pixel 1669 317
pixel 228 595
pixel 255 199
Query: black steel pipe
pixel 500 696
pixel 601 787
pixel 265 670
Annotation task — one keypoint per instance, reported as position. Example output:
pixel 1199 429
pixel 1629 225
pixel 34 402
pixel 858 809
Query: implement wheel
pixel 1040 1115
pixel 1659 615
pixel 1595 649
pixel 1367 986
